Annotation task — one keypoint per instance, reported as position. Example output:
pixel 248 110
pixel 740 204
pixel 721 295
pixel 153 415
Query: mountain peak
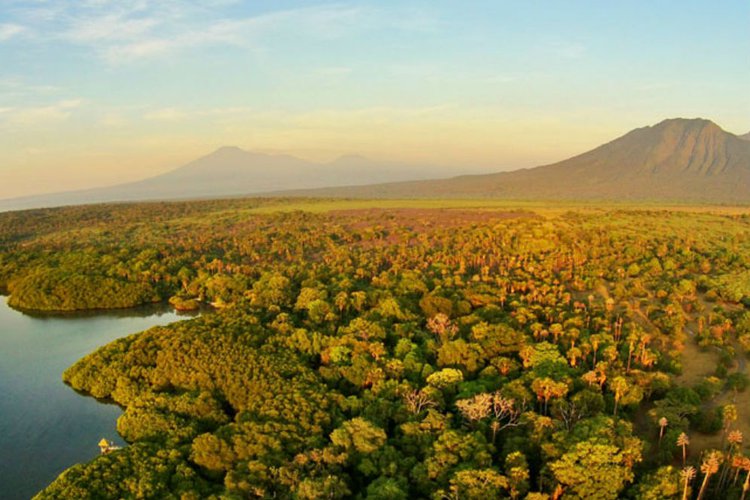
pixel 688 124
pixel 680 159
pixel 227 150
pixel 685 121
pixel 677 147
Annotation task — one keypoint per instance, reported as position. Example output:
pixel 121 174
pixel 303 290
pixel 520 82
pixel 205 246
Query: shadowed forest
pixel 477 351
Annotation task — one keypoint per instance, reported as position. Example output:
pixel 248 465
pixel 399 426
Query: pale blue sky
pixel 97 92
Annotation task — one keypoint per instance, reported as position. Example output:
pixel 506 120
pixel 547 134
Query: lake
pixel 45 426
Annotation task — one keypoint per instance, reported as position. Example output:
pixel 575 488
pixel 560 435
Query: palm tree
pixel 735 439
pixel 619 385
pixel 709 467
pixel 662 425
pixel 683 440
pixel 729 416
pixel 688 473
pixel 735 442
pixel 739 463
pixel 746 484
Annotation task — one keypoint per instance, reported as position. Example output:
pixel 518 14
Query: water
pixel 45 426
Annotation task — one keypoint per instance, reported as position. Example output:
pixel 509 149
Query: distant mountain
pixel 231 171
pixel 690 160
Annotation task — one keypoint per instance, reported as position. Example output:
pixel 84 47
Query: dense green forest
pixel 538 353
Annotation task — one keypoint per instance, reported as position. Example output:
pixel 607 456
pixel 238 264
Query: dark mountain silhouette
pixel 231 171
pixel 745 136
pixel 690 160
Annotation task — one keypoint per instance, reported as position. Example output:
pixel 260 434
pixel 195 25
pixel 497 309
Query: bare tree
pixel 416 401
pixel 476 408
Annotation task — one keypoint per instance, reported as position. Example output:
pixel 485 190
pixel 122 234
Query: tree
pixel 517 472
pixel 546 388
pixel 273 289
pixel 460 353
pixel 330 487
pixel 592 471
pixel 358 435
pixel 728 417
pixel 418 400
pixel 476 408
pixel 457 450
pixel 482 483
pixel 662 425
pixel 664 483
pixel 687 474
pixel 442 326
pixel 506 412
pixel 446 378
pixel 683 441
pixel 387 488
pixel 709 467
pixel 746 484
pixel 620 387
pixel 364 330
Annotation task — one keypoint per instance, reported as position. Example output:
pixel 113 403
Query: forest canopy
pixel 405 352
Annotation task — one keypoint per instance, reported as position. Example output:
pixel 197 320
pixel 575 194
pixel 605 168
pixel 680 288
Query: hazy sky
pixel 98 92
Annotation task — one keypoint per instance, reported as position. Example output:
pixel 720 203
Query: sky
pixel 98 92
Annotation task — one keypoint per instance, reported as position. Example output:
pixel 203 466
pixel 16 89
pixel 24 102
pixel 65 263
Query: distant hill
pixel 691 160
pixel 684 160
pixel 231 171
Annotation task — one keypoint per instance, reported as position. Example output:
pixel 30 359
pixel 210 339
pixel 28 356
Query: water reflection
pixel 45 426
pixel 145 311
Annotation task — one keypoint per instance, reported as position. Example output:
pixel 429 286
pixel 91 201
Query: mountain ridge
pixel 230 171
pixel 678 159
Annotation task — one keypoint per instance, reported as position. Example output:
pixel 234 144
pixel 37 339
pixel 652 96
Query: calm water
pixel 45 426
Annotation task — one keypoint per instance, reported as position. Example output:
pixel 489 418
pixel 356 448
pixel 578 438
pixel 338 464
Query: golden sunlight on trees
pixel 404 353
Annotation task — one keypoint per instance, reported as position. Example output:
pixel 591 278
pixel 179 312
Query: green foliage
pixel 445 378
pixel 138 471
pixel 358 435
pixel 184 304
pixel 273 289
pixel 394 353
pixel 592 471
pixel 385 488
pixel 734 286
pixel 477 483
pixel 455 451
pixel 662 484
pixel 77 288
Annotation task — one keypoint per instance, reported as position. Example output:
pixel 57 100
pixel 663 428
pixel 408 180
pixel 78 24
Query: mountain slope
pixel 691 160
pixel 675 160
pixel 745 136
pixel 231 171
